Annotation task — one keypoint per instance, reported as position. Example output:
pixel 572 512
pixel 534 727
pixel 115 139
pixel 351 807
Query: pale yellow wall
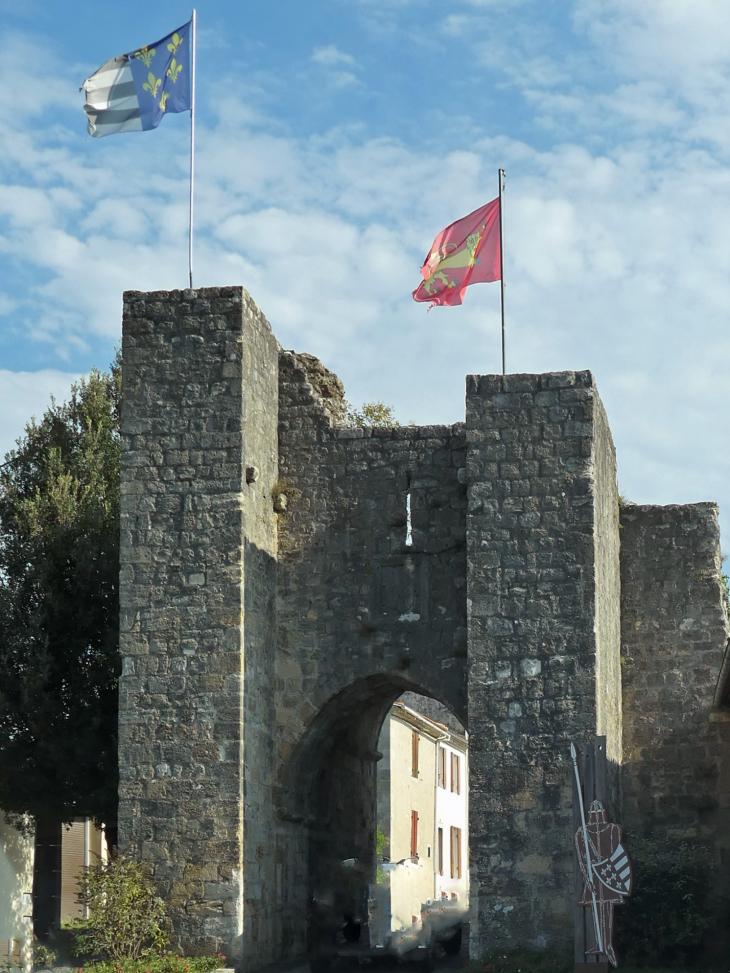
pixel 410 886
pixel 16 878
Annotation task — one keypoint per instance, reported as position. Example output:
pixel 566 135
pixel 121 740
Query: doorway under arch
pixel 328 807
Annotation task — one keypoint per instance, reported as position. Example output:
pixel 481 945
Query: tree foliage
pixel 59 609
pixel 371 414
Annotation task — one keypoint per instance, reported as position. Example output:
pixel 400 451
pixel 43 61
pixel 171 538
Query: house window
pixel 442 767
pixel 414 755
pixel 456 852
pixel 455 774
pixel 440 851
pixel 414 834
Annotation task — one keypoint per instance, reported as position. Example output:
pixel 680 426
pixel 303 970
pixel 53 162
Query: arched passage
pixel 328 799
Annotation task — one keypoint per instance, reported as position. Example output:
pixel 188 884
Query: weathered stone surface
pixel 362 616
pixel 674 628
pixel 542 589
pixel 284 578
pixel 198 547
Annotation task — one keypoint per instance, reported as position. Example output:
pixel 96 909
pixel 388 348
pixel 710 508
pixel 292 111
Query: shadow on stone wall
pixel 679 837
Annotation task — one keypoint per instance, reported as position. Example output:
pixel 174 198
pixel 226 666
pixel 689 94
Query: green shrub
pixel 43 957
pixel 381 846
pixel 157 963
pixel 126 916
pixel 524 961
pixel 371 414
pixel 665 919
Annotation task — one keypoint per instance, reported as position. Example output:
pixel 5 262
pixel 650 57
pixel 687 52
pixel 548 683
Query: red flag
pixel 467 252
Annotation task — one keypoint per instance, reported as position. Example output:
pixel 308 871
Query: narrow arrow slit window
pixel 409 523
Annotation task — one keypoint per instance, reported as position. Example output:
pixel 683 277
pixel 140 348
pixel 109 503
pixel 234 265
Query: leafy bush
pixel 126 916
pixel 157 963
pixel 381 846
pixel 43 957
pixel 371 414
pixel 665 919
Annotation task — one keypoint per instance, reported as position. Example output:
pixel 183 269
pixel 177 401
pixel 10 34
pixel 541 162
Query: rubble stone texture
pixel 543 600
pixel 276 601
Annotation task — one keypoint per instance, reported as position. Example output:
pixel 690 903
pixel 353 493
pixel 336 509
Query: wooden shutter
pixel 451 851
pixel 414 833
pixel 441 851
pixel 455 774
pixel 73 842
pixel 458 852
pixel 442 767
pixel 414 755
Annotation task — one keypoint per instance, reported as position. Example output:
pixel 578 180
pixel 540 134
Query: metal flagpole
pixel 501 259
pixel 589 867
pixel 192 148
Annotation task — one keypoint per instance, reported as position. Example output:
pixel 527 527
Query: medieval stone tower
pixel 272 610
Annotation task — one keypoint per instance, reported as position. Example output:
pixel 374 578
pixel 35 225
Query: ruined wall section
pixel 362 615
pixel 197 369
pixel 676 771
pixel 537 482
pixel 354 598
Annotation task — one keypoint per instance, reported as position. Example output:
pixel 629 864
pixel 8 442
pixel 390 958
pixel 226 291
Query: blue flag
pixel 133 92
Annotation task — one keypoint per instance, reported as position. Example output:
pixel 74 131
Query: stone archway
pixel 327 801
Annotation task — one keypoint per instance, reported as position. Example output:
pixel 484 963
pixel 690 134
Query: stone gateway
pixel 285 577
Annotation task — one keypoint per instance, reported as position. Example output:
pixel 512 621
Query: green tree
pixel 59 620
pixel 371 414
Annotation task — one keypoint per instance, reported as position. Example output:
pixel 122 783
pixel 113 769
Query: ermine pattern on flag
pixel 112 104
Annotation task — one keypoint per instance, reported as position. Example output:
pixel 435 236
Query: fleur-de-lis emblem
pixel 152 84
pixel 174 43
pixel 163 99
pixel 145 54
pixel 174 70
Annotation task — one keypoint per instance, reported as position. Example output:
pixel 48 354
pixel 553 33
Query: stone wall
pixel 284 578
pixel 674 628
pixel 197 550
pixel 540 474
pixel 362 614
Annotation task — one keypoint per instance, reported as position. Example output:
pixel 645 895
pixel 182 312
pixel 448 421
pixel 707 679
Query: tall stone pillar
pixel 197 583
pixel 543 641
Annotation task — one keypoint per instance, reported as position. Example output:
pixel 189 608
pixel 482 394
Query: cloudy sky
pixel 335 138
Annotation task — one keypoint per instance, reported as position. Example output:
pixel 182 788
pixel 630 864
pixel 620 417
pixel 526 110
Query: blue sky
pixel 335 138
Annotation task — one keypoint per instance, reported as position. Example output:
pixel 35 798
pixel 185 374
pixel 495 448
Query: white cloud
pixel 28 394
pixel 617 250
pixel 670 38
pixel 330 56
pixel 333 59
